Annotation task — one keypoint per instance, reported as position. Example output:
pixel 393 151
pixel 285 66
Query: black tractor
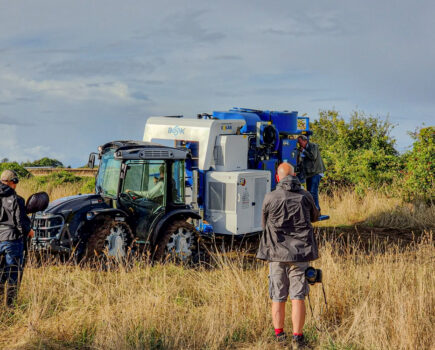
pixel 138 205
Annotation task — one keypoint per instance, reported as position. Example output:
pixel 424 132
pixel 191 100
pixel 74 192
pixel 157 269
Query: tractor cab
pixel 145 180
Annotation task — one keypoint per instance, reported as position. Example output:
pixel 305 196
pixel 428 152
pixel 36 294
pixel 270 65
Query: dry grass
pixel 27 187
pixel 347 208
pixel 376 301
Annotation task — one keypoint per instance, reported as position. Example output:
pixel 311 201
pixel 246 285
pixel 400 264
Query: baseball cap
pixel 9 175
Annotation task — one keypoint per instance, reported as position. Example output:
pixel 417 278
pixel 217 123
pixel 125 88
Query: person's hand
pixel 31 234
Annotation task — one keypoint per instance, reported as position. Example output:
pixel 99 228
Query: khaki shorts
pixel 286 279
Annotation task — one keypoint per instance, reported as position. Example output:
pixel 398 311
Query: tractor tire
pixel 181 243
pixel 109 239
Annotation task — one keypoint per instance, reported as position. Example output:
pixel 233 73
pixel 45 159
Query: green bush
pixel 420 166
pixel 22 173
pixel 88 185
pixel 48 162
pixel 58 178
pixel 358 153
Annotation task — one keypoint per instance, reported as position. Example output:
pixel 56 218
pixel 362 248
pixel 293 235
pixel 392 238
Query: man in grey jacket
pixel 288 244
pixel 14 226
pixel 312 165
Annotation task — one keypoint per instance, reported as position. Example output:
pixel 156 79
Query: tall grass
pixel 380 297
pixel 375 210
pixel 55 189
pixel 376 301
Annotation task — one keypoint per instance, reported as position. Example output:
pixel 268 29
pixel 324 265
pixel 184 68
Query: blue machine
pixel 231 154
pixel 276 136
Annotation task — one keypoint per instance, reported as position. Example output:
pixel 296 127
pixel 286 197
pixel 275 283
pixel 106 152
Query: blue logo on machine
pixel 226 127
pixel 176 130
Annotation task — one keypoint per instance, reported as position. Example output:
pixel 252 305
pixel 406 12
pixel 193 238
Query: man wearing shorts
pixel 288 244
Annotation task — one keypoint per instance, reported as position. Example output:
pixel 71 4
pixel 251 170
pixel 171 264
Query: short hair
pixel 303 137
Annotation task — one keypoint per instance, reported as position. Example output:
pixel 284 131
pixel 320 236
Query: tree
pixel 46 162
pixel 358 153
pixel 21 172
pixel 419 174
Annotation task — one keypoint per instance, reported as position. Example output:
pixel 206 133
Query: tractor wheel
pixel 109 239
pixel 181 243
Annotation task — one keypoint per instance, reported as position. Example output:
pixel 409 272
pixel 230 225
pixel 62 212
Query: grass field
pixel 344 207
pixel 381 297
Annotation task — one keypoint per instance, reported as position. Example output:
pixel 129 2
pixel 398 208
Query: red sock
pixel 279 330
pixel 296 334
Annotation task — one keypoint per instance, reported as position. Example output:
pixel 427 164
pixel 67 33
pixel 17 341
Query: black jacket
pixel 14 223
pixel 312 162
pixel 288 235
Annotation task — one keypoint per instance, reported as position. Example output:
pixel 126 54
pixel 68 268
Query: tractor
pixel 138 205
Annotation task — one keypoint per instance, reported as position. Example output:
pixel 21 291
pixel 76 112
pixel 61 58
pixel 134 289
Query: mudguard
pixel 169 217
pixel 94 213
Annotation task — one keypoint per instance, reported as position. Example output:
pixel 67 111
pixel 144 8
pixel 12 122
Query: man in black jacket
pixel 312 166
pixel 288 244
pixel 14 226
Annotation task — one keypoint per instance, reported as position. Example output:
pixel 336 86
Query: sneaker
pixel 281 339
pixel 299 342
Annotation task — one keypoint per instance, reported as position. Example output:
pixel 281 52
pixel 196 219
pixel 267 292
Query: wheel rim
pixel 117 242
pixel 180 243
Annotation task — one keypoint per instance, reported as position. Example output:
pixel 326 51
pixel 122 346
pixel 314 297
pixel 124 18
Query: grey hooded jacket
pixel 288 235
pixel 14 223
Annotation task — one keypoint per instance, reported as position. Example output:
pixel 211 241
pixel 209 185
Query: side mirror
pixel 37 202
pixel 91 161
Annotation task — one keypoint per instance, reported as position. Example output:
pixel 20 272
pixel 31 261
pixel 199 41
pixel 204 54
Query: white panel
pixel 231 153
pixel 234 200
pixel 205 131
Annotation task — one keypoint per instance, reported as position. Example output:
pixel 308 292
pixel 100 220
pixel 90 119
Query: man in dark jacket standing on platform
pixel 288 244
pixel 14 226
pixel 312 165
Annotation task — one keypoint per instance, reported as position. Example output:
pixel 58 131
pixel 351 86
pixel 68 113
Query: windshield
pixel 145 179
pixel 108 175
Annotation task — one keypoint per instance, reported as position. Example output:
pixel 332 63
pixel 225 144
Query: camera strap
pixel 311 308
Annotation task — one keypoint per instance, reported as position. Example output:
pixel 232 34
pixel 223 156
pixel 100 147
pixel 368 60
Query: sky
pixel 77 74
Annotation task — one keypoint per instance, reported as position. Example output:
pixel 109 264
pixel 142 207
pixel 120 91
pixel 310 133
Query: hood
pixel 5 190
pixel 290 183
pixel 72 203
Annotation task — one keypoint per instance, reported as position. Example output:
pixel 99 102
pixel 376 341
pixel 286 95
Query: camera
pixel 313 275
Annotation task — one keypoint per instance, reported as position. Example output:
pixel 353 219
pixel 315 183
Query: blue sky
pixel 75 74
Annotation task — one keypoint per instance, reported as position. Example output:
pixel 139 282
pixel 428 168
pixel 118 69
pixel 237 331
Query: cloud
pixel 140 96
pixel 11 121
pixel 189 25
pixel 13 149
pixel 329 99
pixel 228 58
pixel 324 23
pixel 85 77
pixel 13 86
pixel 100 67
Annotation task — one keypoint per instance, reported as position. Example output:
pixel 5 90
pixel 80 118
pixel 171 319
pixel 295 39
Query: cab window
pixel 145 180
